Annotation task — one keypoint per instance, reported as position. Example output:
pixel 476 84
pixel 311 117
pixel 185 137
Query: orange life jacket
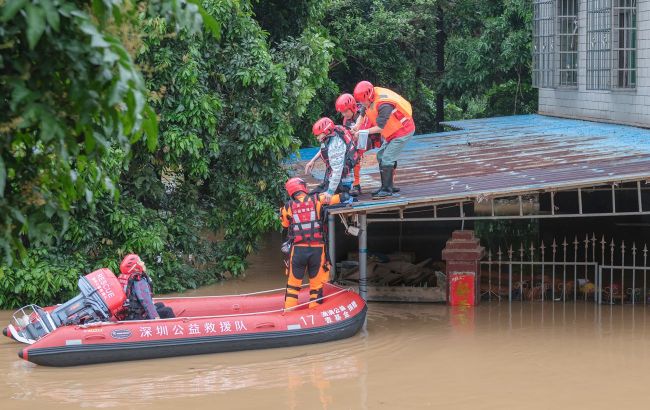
pixel 400 115
pixel 305 221
pixel 124 280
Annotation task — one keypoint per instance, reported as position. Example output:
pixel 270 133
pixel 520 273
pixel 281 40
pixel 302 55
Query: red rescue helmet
pixel 294 185
pixel 132 264
pixel 364 92
pixel 346 102
pixel 323 126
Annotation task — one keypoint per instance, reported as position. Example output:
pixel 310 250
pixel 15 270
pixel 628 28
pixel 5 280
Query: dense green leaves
pixel 160 127
pixel 69 91
pixel 393 43
pixel 70 95
pixel 40 278
pixel 217 108
pixel 228 109
pixel 488 58
pixel 10 8
pixel 3 177
pixel 35 17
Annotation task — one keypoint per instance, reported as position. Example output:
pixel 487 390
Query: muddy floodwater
pixel 548 355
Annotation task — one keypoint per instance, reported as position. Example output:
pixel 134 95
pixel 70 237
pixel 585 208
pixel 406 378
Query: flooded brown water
pixel 531 355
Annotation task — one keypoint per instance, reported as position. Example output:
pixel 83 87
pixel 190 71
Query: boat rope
pixel 221 296
pixel 282 310
pixel 236 295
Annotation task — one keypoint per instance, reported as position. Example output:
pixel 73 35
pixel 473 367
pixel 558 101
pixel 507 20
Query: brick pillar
pixel 462 254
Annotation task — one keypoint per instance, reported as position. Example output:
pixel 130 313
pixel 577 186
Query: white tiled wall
pixel 618 106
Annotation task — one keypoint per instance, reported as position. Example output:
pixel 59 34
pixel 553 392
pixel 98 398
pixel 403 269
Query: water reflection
pixel 499 355
pixel 140 383
pixel 461 318
pixel 410 354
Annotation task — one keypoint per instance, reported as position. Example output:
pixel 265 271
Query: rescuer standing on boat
pixel 389 114
pixel 301 215
pixel 139 292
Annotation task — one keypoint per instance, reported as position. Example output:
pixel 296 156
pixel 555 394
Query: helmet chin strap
pixel 139 263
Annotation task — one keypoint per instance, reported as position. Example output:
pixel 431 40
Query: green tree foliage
pixel 488 58
pixel 69 91
pixel 390 43
pixel 220 106
pixel 226 106
pixel 228 110
pixel 487 64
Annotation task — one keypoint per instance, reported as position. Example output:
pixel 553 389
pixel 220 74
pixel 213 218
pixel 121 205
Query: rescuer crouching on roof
pixel 339 153
pixel 390 114
pixel 302 216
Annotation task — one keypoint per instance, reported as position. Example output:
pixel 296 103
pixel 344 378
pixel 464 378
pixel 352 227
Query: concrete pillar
pixel 363 256
pixel 462 254
pixel 331 237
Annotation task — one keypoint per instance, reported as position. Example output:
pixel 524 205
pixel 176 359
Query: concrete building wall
pixel 623 106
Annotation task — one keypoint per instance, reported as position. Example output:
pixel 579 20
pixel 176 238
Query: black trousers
pixel 309 260
pixel 325 184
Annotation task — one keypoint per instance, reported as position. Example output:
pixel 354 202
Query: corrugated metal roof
pixel 507 155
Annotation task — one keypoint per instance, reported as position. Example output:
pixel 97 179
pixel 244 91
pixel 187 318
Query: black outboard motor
pixel 100 298
pixel 86 307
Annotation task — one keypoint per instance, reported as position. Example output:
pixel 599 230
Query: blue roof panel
pixel 507 155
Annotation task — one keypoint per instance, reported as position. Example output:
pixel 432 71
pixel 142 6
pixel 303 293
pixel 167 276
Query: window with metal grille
pixel 567 21
pixel 599 19
pixel 543 43
pixel 624 43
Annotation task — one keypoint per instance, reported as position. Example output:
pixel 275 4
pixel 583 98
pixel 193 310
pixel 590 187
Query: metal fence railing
pixel 588 270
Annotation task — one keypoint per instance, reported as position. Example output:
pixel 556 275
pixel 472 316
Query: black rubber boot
pixel 386 183
pixel 356 190
pixel 381 176
pixel 322 187
pixel 394 188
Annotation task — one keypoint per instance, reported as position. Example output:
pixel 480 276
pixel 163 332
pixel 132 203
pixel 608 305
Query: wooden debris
pixel 398 280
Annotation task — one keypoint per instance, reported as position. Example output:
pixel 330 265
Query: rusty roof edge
pixel 370 207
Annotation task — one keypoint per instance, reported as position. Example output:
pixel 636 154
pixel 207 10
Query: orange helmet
pixel 346 102
pixel 323 126
pixel 132 264
pixel 294 185
pixel 364 92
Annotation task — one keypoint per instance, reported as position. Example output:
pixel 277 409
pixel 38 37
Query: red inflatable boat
pixel 81 331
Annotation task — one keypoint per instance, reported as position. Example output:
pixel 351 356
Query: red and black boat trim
pixel 113 352
pixel 205 325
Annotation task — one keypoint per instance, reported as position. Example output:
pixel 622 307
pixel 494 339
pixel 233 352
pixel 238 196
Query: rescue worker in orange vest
pixel 390 115
pixel 137 285
pixel 301 215
pixel 347 107
pixel 339 153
